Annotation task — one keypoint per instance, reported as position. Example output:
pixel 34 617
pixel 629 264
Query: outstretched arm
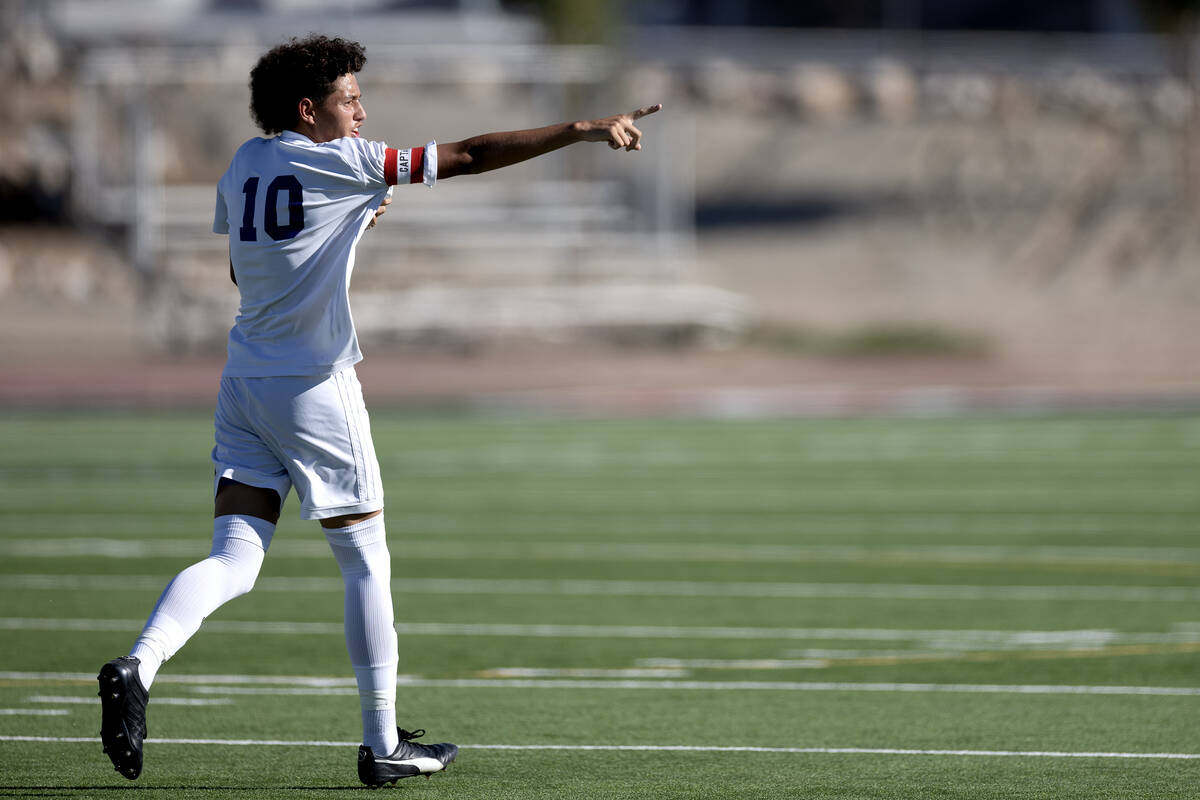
pixel 495 150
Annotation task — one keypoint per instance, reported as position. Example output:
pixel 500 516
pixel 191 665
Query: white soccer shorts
pixel 308 432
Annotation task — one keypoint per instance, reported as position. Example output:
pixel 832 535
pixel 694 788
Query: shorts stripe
pixel 366 475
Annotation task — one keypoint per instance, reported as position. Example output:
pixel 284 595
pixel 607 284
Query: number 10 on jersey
pixel 295 209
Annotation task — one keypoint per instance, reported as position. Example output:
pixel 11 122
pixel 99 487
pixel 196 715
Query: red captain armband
pixel 397 162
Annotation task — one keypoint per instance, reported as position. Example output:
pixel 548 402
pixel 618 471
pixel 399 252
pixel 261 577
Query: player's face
pixel 341 113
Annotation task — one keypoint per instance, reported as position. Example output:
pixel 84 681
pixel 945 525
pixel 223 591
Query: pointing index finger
pixel 641 112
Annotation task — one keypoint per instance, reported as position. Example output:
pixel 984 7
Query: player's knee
pixel 240 562
pixel 242 583
pixel 246 576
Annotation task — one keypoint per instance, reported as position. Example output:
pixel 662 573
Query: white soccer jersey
pixel 298 209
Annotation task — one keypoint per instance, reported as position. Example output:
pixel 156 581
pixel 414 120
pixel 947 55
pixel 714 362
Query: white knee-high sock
pixel 239 545
pixel 362 555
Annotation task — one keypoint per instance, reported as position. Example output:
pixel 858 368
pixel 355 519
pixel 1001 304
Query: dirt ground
pixel 51 360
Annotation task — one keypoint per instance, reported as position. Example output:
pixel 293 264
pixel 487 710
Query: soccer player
pixel 290 411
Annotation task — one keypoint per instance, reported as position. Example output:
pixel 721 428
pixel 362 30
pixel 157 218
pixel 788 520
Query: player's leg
pixel 359 545
pixel 346 497
pixel 387 754
pixel 243 524
pixel 336 474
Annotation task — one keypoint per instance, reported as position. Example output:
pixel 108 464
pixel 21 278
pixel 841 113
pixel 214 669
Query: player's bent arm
pixel 496 150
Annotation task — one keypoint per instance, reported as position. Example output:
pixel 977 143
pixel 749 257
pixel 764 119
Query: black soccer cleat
pixel 407 760
pixel 123 723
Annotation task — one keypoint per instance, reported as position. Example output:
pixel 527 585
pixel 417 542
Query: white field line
pixel 685 664
pixel 234 680
pixel 615 588
pixel 232 685
pixel 557 672
pixel 842 451
pixel 671 748
pixel 854 519
pixel 987 525
pixel 726 686
pixel 167 701
pixel 1002 492
pixel 928 637
pixel 442 548
pixel 72 525
pixel 33 712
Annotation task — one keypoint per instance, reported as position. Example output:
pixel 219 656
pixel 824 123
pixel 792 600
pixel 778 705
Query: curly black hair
pixel 300 68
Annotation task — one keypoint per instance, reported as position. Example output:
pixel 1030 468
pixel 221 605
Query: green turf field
pixel 964 608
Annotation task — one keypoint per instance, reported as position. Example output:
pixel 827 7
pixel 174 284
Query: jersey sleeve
pixel 221 215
